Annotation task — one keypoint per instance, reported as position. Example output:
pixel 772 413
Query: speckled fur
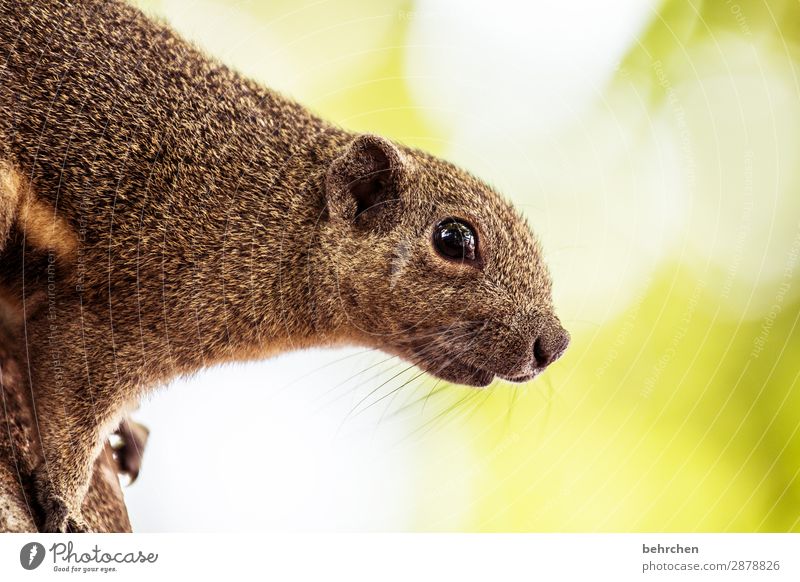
pixel 198 218
pixel 103 508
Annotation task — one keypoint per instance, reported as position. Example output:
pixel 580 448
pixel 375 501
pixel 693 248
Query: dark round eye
pixel 454 239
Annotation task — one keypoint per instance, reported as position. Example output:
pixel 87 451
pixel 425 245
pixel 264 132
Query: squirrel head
pixel 432 265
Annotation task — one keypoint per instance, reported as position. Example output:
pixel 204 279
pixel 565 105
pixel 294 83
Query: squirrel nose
pixel 550 345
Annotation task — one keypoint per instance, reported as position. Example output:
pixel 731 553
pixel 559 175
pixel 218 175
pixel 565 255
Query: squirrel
pixel 161 213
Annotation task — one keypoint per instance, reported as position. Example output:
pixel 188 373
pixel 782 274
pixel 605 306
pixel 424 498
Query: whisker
pixel 432 392
pixel 357 374
pixel 394 391
pixel 324 366
pixel 430 424
pixel 478 405
pixel 360 402
pixel 422 352
pixel 393 394
pixel 378 374
pixel 512 401
pixel 470 334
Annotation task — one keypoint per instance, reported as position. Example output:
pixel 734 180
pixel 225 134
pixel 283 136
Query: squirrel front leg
pixel 78 401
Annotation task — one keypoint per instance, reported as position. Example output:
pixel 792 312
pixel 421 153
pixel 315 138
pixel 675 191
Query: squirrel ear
pixel 363 184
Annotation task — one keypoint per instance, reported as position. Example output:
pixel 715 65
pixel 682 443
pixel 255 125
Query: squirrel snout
pixel 550 344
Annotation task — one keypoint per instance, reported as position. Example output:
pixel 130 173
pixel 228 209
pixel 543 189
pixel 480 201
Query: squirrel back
pixel 132 149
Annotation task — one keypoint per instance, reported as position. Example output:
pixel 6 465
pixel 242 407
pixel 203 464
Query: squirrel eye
pixel 454 239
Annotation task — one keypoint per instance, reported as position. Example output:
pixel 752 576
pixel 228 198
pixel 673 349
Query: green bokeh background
pixel 677 412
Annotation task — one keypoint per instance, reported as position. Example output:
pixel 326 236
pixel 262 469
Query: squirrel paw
pixel 133 438
pixel 59 515
pixel 59 519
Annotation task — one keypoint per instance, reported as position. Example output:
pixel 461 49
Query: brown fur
pixel 103 507
pixel 38 222
pixel 180 215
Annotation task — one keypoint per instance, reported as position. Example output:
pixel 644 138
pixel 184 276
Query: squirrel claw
pixel 59 515
pixel 60 520
pixel 77 525
pixel 129 452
